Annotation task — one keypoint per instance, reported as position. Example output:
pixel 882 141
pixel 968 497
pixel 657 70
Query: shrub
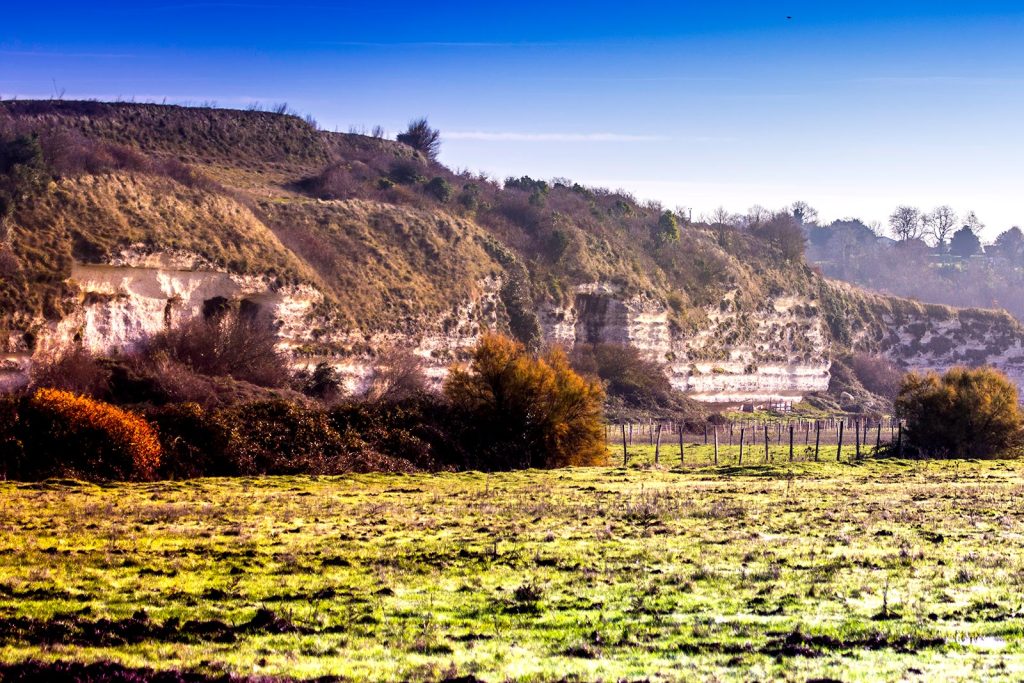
pixel 439 188
pixel 75 370
pixel 406 172
pixel 56 433
pixel 421 137
pixel 194 442
pixel 398 375
pixel 227 343
pixel 639 382
pixel 963 413
pixel 323 382
pixel 282 437
pixel 878 375
pixel 668 228
pixel 525 411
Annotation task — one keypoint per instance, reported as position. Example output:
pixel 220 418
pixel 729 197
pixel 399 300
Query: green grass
pixel 867 571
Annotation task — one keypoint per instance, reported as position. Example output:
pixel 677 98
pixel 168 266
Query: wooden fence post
pixel 657 445
pixel 791 442
pixel 716 445
pixel 839 450
pixel 878 437
pixel 856 428
pixel 817 438
pixel 625 455
pixel 682 458
pixel 766 456
pixel 742 432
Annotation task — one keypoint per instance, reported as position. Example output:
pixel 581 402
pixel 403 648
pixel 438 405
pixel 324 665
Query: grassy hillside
pixel 393 240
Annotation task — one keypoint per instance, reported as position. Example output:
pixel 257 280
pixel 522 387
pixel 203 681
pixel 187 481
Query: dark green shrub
pixel 194 440
pixel 421 137
pixel 439 188
pixel 406 172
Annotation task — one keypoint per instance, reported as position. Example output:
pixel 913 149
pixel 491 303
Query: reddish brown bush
pixel 57 433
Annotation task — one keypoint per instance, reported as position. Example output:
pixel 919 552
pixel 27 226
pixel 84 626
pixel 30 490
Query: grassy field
pixel 876 570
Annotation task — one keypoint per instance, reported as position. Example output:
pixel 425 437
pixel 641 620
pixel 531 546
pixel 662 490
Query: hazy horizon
pixel 853 110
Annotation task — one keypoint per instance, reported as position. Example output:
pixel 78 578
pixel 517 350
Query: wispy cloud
pixel 434 43
pixel 942 80
pixel 549 137
pixel 66 55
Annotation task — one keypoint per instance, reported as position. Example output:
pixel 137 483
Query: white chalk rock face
pixel 778 352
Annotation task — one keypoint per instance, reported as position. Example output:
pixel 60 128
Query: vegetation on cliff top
pixel 394 240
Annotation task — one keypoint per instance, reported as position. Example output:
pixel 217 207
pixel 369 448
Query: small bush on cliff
pixel 639 382
pixel 421 137
pixel 56 433
pixel 527 411
pixel 225 344
pixel 963 413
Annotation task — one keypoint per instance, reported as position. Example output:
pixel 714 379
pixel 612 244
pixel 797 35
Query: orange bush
pixel 528 411
pixel 100 439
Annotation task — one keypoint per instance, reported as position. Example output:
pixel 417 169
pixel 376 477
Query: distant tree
pixel 940 223
pixel 22 172
pixel 421 137
pixel 668 228
pixel 784 233
pixel 1009 245
pixel 804 213
pixel 756 215
pixel 721 216
pixel 963 413
pixel 905 223
pixel 972 221
pixel 964 243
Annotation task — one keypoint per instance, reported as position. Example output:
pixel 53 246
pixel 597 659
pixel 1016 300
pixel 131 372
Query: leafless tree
pixel 398 375
pixel 972 221
pixel 756 216
pixel 941 223
pixel 721 216
pixel 905 223
pixel 804 212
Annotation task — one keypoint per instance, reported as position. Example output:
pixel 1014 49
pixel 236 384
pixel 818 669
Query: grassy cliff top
pixel 390 237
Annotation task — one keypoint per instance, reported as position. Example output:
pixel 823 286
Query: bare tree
pixel 398 375
pixel 940 224
pixel 804 213
pixel 972 221
pixel 721 216
pixel 756 216
pixel 905 223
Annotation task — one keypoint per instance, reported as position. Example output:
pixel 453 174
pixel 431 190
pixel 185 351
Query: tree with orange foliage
pixel 528 411
pixel 963 413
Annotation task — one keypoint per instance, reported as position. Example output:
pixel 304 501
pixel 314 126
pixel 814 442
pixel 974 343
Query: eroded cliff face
pixel 779 351
pixel 925 342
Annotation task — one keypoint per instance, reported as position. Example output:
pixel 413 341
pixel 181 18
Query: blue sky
pixel 853 107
